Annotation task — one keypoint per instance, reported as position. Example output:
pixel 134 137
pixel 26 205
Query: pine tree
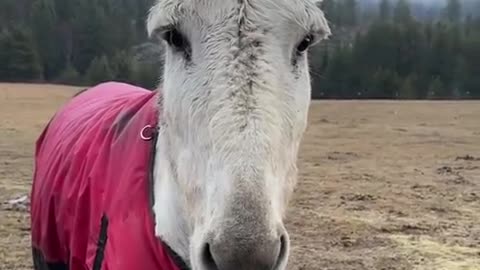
pixel 350 11
pixel 92 37
pixel 70 76
pixel 469 25
pixel 146 75
pixel 408 90
pixel 44 21
pixel 471 51
pixel 330 9
pixel 99 71
pixel 385 10
pixel 436 88
pixel 402 12
pixel 453 11
pixel 18 59
pixel 384 84
pixel 123 67
pixel 441 56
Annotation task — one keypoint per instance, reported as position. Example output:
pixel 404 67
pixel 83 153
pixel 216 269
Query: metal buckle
pixel 142 133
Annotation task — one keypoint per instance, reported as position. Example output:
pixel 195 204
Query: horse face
pixel 236 96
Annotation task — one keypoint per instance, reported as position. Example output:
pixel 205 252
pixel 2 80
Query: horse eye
pixel 306 42
pixel 175 39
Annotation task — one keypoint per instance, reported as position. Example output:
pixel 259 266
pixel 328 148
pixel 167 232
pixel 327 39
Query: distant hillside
pixel 425 9
pixel 408 49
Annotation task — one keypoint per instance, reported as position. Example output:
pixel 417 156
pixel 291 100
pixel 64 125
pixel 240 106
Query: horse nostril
pixel 283 251
pixel 207 258
pixel 240 253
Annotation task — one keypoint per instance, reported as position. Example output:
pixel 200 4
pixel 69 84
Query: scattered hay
pixel 440 255
pixel 20 203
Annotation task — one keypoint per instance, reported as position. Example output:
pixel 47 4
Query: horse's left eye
pixel 305 43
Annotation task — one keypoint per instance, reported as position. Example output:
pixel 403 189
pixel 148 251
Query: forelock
pixel 305 13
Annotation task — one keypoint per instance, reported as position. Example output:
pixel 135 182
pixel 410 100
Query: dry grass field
pixel 383 185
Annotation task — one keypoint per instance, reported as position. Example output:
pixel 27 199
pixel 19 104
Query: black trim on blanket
pixel 151 166
pixel 80 92
pixel 39 262
pixel 102 241
pixel 179 262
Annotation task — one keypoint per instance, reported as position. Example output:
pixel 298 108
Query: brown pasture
pixel 382 184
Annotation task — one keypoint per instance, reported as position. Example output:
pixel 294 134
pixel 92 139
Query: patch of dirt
pixel 358 197
pixel 380 191
pixel 386 189
pixel 456 177
pixel 25 110
pixel 468 158
pixel 342 156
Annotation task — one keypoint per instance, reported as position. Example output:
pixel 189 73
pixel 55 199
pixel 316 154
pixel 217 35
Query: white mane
pixel 236 96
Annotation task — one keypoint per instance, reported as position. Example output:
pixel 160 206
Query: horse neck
pixel 170 224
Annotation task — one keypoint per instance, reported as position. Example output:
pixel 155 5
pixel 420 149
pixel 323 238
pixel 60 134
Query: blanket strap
pixel 102 241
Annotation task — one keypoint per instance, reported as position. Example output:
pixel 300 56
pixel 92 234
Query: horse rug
pixel 91 197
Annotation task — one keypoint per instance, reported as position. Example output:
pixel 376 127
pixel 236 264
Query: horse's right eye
pixel 175 39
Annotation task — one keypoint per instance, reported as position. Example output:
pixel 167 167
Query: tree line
pixel 391 54
pixel 80 42
pixel 384 50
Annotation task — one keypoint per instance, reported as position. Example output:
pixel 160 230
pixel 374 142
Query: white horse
pixel 236 92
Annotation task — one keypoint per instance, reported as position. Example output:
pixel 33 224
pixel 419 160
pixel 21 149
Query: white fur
pixel 232 118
